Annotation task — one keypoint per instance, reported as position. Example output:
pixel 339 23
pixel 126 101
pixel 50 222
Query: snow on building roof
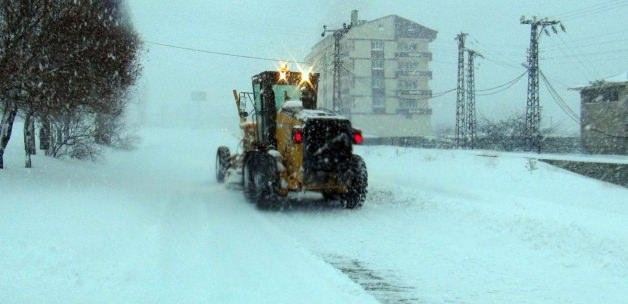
pixel 621 78
pixel 431 33
pixel 425 31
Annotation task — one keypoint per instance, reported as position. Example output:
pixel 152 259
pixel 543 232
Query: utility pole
pixel 337 83
pixel 470 108
pixel 533 107
pixel 460 101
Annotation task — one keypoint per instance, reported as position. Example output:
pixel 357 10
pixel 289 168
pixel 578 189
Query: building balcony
pixel 414 73
pixel 414 94
pixel 414 110
pixel 413 55
pixel 421 111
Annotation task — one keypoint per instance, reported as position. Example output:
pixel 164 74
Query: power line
pixel 559 100
pixel 616 51
pixel 596 11
pixel 586 72
pixel 443 93
pixel 507 84
pixel 204 51
pixel 501 59
pixel 589 9
pixel 596 44
pixel 595 37
pixel 500 91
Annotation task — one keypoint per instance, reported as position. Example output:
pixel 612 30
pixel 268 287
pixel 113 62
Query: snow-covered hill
pixel 152 225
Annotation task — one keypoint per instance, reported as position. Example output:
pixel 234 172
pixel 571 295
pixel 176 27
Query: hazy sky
pixel 595 45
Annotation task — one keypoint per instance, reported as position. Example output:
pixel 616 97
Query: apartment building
pixel 385 75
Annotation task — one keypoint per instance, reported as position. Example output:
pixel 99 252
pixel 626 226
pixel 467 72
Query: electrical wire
pixel 588 45
pixel 596 11
pixel 220 53
pixel 559 100
pixel 592 8
pixel 586 72
pixel 444 93
pixel 501 58
pixel 507 84
pixel 616 51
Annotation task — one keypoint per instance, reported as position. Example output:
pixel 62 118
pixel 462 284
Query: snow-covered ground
pixel 151 225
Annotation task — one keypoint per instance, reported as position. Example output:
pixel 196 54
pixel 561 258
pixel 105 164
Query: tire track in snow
pixel 384 287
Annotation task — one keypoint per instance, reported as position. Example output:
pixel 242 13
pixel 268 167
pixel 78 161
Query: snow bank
pixel 453 227
pixel 438 227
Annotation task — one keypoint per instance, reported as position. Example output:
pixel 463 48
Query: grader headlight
pixel 305 76
pixel 283 72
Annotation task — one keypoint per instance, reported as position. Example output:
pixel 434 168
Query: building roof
pixel 619 79
pixel 425 31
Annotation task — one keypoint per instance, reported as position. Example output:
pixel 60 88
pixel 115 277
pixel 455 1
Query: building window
pixel 407 47
pixel 379 98
pixel 377 45
pixel 408 84
pixel 377 55
pixel 408 66
pixel 377 76
pixel 378 64
pixel 407 104
pixel 378 83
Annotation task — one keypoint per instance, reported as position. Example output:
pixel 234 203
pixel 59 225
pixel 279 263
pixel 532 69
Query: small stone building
pixel 604 115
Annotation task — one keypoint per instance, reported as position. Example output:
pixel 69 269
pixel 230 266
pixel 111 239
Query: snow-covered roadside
pixel 448 226
pixel 439 226
pixel 148 226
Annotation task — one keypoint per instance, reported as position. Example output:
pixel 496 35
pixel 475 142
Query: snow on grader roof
pixel 296 107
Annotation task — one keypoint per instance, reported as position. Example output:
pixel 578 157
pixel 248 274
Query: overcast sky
pixel 595 45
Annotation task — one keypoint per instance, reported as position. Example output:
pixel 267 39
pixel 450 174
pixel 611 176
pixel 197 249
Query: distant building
pixel 604 114
pixel 385 75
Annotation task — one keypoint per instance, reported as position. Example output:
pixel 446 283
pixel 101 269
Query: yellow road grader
pixel 289 145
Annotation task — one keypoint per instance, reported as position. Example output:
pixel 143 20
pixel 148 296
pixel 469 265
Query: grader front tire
pixel 222 163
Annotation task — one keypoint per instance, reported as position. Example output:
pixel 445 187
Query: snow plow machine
pixel 290 146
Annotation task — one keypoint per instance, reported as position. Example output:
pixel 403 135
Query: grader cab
pixel 289 145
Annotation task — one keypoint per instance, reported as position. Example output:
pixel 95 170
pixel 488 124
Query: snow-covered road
pixel 152 225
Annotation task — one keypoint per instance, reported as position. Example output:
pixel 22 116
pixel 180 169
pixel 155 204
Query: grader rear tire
pixel 357 182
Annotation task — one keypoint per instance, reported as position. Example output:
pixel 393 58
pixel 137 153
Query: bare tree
pixel 506 134
pixel 65 63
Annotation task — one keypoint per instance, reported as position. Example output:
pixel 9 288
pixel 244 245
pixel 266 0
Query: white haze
pixel 591 49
